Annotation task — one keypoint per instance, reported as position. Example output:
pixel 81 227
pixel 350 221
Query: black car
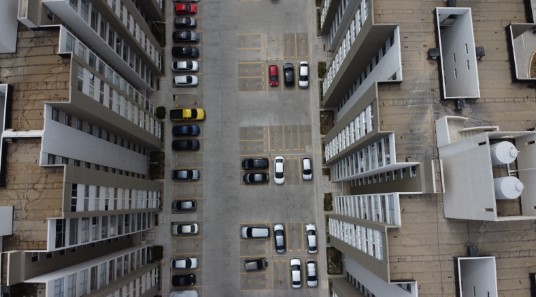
pixel 186 174
pixel 185 36
pixel 183 280
pixel 185 130
pixel 255 163
pixel 185 52
pixel 185 145
pixel 184 205
pixel 255 178
pixel 185 22
pixel 288 70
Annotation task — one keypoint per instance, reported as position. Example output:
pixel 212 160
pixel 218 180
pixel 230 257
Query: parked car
pixel 187 114
pixel 185 8
pixel 295 273
pixel 255 178
pixel 184 263
pixel 185 130
pixel 279 238
pixel 186 1
pixel 183 280
pixel 279 166
pixel 303 75
pixel 184 205
pixel 312 280
pixel 255 264
pixel 254 232
pixel 185 22
pixel 190 66
pixel 184 229
pixel 185 81
pixel 255 163
pixel 185 145
pixel 307 170
pixel 184 293
pixel 288 71
pixel 186 174
pixel 273 75
pixel 185 52
pixel 185 36
pixel 310 233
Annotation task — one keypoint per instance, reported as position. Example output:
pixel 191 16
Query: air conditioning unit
pixel 29 12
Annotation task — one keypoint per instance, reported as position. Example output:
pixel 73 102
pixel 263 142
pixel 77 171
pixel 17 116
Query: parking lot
pixel 245 117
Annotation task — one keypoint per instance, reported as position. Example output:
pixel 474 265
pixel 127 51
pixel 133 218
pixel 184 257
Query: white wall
pixel 9 25
pixel 375 284
pixel 62 140
pixel 477 277
pixel 457 50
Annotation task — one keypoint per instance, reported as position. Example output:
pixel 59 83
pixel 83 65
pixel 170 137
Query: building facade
pixel 411 183
pixel 78 128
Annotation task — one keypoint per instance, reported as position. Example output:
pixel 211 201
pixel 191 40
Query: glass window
pixel 58 288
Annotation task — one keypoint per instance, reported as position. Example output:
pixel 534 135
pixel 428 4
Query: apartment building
pixel 77 130
pixel 404 80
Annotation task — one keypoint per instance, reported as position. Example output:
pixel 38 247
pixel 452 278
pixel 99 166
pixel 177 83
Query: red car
pixel 273 75
pixel 185 8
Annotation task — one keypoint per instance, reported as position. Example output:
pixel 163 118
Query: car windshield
pixel 189 79
pixel 194 113
pixel 311 277
pixel 273 77
pixel 303 77
pixel 189 64
pixel 307 171
pixel 187 50
pixel 279 174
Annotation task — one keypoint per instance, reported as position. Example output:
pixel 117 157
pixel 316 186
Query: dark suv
pixel 288 71
pixel 185 52
pixel 255 163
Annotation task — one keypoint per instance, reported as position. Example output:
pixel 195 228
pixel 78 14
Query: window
pixel 55 114
pixel 71 285
pixel 60 233
pixel 69 42
pixel 58 288
pixel 83 283
pixel 93 278
pixel 73 231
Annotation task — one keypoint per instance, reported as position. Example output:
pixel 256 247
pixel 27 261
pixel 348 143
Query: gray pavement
pixel 246 117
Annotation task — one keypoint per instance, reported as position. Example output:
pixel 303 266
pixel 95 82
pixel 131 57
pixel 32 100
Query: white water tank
pixel 503 152
pixel 508 187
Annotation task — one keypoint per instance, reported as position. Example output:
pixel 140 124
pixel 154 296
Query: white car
pixel 190 66
pixel 185 293
pixel 310 233
pixel 185 81
pixel 184 229
pixel 184 263
pixel 295 273
pixel 307 170
pixel 279 238
pixel 312 280
pixel 279 176
pixel 303 75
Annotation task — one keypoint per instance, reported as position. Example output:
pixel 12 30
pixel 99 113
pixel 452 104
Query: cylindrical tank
pixel 503 152
pixel 508 187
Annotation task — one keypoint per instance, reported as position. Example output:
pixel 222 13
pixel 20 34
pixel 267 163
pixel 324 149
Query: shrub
pixel 160 112
pixel 321 69
pixel 157 253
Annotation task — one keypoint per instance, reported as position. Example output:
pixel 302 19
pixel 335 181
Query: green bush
pixel 157 253
pixel 321 69
pixel 160 112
